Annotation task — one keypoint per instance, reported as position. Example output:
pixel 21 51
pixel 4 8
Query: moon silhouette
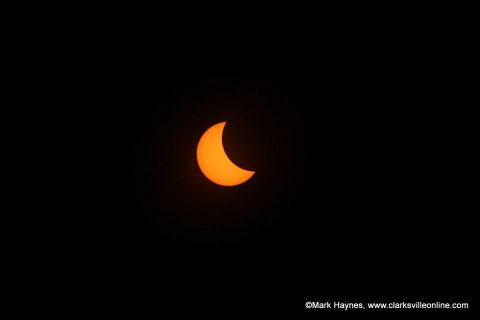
pixel 214 162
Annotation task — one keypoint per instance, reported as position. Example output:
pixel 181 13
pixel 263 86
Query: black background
pixel 356 120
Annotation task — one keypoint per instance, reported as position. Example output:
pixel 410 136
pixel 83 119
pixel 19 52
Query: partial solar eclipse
pixel 213 160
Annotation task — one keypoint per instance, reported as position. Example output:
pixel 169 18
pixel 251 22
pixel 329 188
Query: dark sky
pixel 356 120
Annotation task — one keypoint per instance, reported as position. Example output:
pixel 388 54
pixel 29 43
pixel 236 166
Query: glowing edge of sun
pixel 214 162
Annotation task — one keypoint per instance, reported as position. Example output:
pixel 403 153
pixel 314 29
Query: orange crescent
pixel 214 162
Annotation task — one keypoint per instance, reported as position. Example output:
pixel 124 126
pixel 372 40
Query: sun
pixel 214 162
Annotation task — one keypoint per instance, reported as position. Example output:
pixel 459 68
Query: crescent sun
pixel 214 162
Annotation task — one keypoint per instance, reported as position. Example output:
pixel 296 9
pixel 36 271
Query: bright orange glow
pixel 213 160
